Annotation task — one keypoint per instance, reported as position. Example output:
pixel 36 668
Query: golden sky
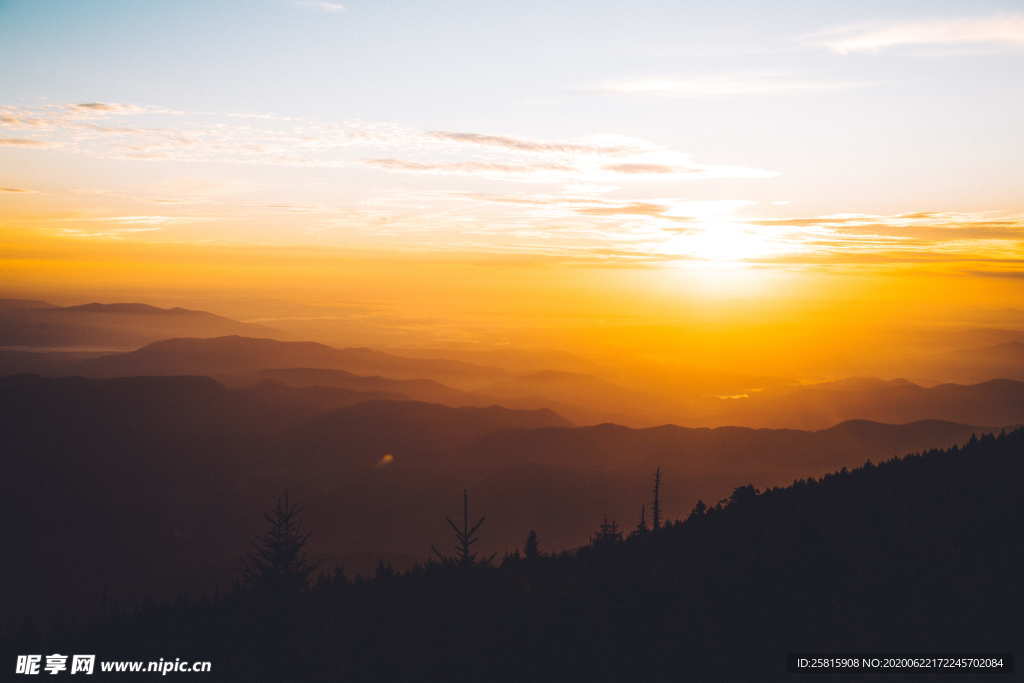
pixel 638 174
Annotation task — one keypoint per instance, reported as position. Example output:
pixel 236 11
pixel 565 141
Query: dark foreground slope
pixel 922 554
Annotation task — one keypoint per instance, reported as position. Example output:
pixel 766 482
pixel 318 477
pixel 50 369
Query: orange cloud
pixel 26 142
pixel 532 145
pixel 467 167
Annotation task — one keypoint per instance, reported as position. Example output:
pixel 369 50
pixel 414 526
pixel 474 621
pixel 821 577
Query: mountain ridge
pixel 25 323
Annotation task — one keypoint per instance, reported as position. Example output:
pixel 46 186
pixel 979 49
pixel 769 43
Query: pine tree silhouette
pixel 278 562
pixel 607 533
pixel 465 537
pixel 511 558
pixel 384 570
pixel 531 549
pixel 641 527
pixel 742 494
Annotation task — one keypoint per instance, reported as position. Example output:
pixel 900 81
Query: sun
pixel 721 259
pixel 723 243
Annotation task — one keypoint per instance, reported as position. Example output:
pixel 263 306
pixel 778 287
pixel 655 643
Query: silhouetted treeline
pixel 180 469
pixel 921 553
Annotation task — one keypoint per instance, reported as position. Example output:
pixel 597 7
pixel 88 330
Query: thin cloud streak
pixel 325 7
pixel 724 85
pixel 467 167
pixel 561 170
pixel 26 142
pixel 1004 29
pixel 108 107
pixel 523 145
pixel 285 141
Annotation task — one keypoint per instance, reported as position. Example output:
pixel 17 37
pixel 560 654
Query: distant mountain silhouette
pixel 117 325
pixel 417 389
pixel 22 304
pixel 50 363
pixel 520 361
pixel 235 354
pixel 425 434
pixel 965 355
pixel 582 398
pixel 154 406
pixel 245 360
pixel 579 397
pixel 178 469
pixel 816 406
pixel 998 360
pixel 135 309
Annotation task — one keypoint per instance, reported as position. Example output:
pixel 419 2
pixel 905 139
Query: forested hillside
pixel 917 553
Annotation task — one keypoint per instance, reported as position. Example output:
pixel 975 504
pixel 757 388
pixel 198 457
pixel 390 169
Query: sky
pixel 520 162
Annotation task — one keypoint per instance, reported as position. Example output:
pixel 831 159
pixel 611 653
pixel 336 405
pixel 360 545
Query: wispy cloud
pixel 27 142
pixel 120 227
pixel 9 120
pixel 1010 274
pixel 113 233
pixel 645 169
pixel 1000 30
pixel 468 167
pixel 107 107
pixel 917 237
pixel 686 170
pixel 724 85
pixel 630 209
pixel 569 204
pixel 654 231
pixel 145 133
pixel 937 225
pixel 646 234
pixel 327 7
pixel 17 190
pixel 524 145
pixel 140 220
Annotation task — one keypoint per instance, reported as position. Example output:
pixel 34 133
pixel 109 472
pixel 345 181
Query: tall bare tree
pixel 656 505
